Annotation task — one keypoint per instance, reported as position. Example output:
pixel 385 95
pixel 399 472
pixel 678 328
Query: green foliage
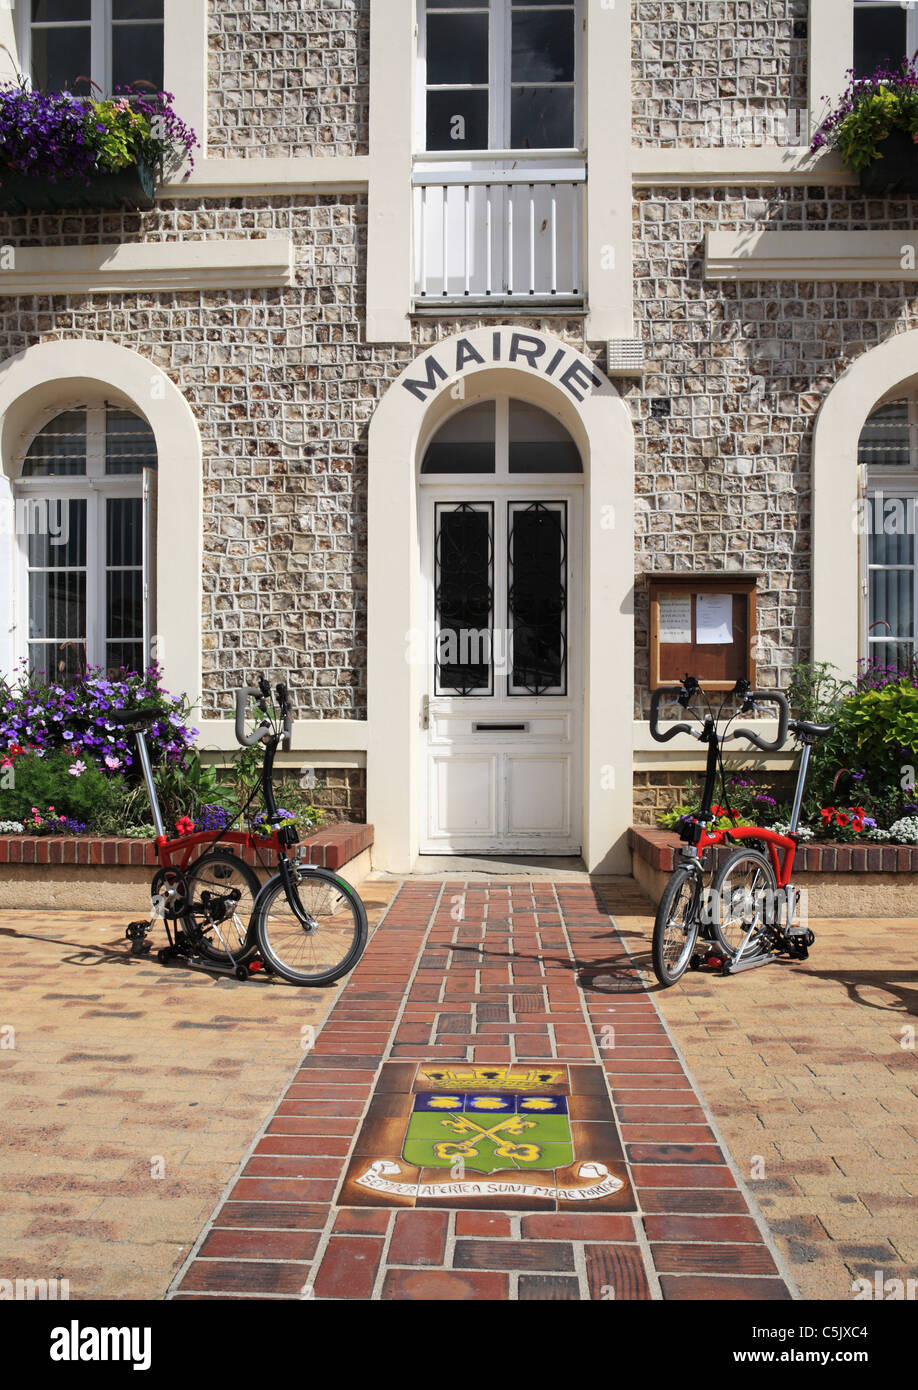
pixel 861 763
pixel 45 782
pixel 118 133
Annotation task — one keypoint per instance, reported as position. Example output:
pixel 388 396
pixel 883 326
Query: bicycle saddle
pixel 809 731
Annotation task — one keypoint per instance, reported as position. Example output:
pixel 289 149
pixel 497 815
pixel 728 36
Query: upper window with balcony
pixel 884 34
pixel 67 45
pixel 499 75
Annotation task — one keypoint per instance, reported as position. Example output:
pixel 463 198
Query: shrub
pixel 47 786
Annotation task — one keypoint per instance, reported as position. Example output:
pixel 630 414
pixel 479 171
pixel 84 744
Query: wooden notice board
pixel 702 625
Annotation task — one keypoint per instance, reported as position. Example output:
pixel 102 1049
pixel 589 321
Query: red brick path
pixel 487 973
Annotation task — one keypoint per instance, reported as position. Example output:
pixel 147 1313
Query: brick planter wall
pixel 839 880
pixel 658 848
pixel 90 872
pixel 331 848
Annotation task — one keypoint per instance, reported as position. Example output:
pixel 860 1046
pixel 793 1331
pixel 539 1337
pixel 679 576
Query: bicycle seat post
pixel 801 783
pixel 144 753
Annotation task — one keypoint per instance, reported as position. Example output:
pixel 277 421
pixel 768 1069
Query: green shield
pixel 489 1132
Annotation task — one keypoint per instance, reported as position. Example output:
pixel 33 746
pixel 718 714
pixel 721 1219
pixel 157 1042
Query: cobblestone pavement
pixel 811 1072
pixel 128 1091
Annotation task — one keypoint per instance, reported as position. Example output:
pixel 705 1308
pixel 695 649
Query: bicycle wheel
pixel 675 929
pixel 331 942
pixel 221 901
pixel 744 898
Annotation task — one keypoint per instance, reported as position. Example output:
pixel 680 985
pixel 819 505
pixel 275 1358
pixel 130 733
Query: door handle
pixel 425 711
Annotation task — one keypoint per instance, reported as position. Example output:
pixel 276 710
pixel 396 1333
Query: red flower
pixel 842 818
pixel 718 811
pixel 857 824
pixel 185 826
pixel 827 813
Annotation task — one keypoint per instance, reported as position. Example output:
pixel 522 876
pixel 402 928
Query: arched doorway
pixel 541 370
pixel 501 549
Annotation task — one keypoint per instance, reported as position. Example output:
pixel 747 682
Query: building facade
pixel 471 322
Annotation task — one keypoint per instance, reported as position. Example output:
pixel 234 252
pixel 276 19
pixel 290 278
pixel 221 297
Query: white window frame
pixel 100 23
pixel 892 483
pixel 911 12
pixel 499 83
pixel 97 487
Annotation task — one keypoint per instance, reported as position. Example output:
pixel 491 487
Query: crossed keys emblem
pixel 503 1147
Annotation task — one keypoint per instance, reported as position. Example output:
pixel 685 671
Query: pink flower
pixel 77 769
pixel 111 762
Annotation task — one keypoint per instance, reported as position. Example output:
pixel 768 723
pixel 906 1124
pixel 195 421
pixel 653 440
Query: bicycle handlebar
pixel 768 697
pixel 260 693
pixel 242 699
pixel 656 699
pixel 671 694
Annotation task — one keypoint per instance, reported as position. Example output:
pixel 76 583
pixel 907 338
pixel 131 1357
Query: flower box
pixel 130 189
pixel 897 169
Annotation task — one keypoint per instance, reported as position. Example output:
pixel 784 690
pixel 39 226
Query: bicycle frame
pixel 179 853
pixel 782 863
pixel 782 849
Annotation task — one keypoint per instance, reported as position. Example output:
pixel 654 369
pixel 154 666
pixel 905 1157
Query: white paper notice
pixel 676 619
pixel 713 619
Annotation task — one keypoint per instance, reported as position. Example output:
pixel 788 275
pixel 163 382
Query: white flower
pixel 905 830
pixel 803 832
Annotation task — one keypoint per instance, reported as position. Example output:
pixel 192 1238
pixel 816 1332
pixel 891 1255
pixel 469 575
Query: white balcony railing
pixel 497 236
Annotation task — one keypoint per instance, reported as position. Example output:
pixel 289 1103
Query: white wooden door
pixel 501 718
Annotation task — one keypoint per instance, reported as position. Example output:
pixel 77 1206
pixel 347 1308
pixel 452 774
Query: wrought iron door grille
pixel 537 597
pixel 464 598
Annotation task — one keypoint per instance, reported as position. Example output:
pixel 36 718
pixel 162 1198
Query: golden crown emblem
pixel 494 1078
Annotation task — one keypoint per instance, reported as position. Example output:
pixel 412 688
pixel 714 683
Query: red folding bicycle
pixel 746 916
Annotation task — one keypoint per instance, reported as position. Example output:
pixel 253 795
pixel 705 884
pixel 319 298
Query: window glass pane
pixel 59 58
pixel 123 604
pixel 129 443
pixel 891 656
pixel 891 538
pixel 542 118
pixel 457 120
pixel 465 444
pixel 543 46
pixel 537 596
pixel 880 37
pixel 59 449
pixel 123 656
pixel 137 55
pixel 137 9
pixel 457 49
pixel 49 11
pixel 464 598
pixel 55 531
pixel 539 443
pixel 884 440
pixel 124 531
pixel 57 604
pixel 892 602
